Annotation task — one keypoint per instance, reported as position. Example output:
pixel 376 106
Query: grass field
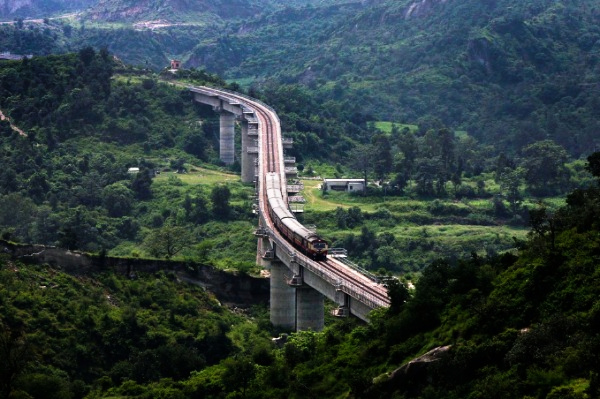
pixel 197 176
pixel 386 127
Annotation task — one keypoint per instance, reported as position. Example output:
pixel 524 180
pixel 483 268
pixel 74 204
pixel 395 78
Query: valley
pixel 474 124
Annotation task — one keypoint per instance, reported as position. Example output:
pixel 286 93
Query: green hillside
pixel 64 179
pixel 434 194
pixel 509 72
pixel 14 9
pixel 64 336
pixel 504 326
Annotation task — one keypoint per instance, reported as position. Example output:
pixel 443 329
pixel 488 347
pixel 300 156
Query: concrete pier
pixel 248 155
pixel 226 137
pixel 310 311
pixel 283 297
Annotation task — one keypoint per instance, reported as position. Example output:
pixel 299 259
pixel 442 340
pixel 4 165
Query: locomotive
pixel 308 242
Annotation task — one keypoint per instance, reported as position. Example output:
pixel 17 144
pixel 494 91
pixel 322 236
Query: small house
pixel 175 64
pixel 349 185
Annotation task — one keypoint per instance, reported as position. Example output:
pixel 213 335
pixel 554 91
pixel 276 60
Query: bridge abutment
pixel 226 137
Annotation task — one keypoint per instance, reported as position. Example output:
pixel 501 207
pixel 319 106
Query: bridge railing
pixel 360 269
pixel 337 252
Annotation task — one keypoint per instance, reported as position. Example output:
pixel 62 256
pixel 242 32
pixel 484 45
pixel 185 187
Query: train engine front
pixel 317 248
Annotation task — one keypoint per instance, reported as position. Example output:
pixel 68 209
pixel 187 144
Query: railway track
pixel 358 279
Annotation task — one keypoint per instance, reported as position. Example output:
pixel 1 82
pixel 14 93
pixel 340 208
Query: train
pixel 305 240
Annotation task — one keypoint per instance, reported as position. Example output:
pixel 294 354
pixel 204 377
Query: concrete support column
pixel 261 247
pixel 226 137
pixel 283 298
pixel 310 309
pixel 247 159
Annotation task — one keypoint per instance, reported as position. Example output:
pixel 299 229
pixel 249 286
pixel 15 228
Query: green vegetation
pixel 521 323
pixel 66 181
pixel 511 326
pixel 401 234
pixel 436 194
pixel 103 335
pixel 506 74
pixel 387 127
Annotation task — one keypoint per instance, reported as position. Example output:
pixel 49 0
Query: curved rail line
pixel 344 278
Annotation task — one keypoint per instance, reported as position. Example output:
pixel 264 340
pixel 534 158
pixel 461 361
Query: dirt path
pixel 16 129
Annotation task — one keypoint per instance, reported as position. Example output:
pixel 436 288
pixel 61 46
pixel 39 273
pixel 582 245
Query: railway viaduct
pixel 298 283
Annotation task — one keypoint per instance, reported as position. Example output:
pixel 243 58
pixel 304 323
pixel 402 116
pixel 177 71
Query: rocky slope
pixel 10 9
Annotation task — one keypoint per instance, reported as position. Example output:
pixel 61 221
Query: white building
pixel 349 185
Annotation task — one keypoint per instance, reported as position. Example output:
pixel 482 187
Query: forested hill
pixel 506 327
pixel 509 72
pixel 169 11
pixel 40 8
pixel 81 128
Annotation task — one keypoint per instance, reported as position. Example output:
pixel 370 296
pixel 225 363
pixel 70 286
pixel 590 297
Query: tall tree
pixel 16 353
pixel 141 184
pixel 117 199
pixel 198 212
pixel 426 174
pixel 510 182
pixel 593 165
pixel 220 196
pixel 544 166
pixel 382 156
pixel 361 158
pixel 168 241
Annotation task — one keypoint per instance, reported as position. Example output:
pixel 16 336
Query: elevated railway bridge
pixel 299 284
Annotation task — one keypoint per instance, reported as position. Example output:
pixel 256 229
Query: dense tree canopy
pixel 513 325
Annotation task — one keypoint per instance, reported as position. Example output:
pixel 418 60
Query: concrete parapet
pixel 207 99
pixel 287 142
pixel 325 287
pixel 291 171
pixel 238 290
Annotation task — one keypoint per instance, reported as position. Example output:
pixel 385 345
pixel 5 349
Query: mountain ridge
pixel 170 10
